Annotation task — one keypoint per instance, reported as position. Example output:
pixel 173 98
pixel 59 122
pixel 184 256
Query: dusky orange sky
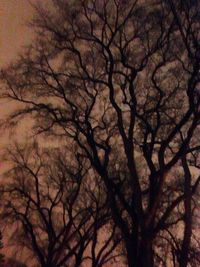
pixel 14 34
pixel 14 14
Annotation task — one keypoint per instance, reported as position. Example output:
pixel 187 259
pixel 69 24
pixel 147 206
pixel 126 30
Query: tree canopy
pixel 119 81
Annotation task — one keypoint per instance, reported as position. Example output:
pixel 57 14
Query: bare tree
pixel 56 214
pixel 120 79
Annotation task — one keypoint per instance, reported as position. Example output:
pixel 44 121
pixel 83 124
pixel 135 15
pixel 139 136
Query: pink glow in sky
pixel 13 32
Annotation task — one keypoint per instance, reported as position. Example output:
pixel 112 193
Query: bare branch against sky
pixel 115 84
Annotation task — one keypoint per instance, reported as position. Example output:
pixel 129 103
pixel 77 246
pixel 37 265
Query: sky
pixel 14 33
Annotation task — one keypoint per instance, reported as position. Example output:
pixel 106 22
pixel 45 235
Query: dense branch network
pixel 120 80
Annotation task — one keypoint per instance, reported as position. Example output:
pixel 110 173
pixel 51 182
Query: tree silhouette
pixel 120 80
pixel 56 214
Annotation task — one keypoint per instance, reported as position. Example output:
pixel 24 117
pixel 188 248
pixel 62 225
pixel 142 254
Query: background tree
pixel 56 214
pixel 120 80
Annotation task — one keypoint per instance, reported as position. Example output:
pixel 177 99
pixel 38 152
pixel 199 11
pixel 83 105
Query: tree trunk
pixel 184 255
pixel 132 252
pixel 146 253
pixel 139 253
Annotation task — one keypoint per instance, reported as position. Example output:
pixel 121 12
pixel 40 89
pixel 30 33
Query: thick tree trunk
pixel 132 252
pixel 184 255
pixel 140 253
pixel 146 254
